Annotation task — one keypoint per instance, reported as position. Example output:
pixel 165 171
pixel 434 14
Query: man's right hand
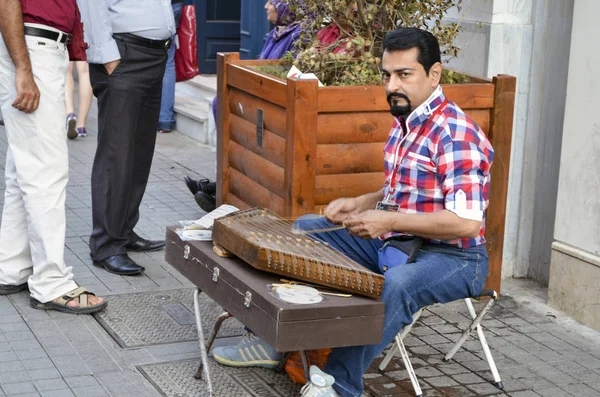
pixel 28 94
pixel 341 209
pixel 111 66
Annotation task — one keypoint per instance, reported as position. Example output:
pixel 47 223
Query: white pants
pixel 32 235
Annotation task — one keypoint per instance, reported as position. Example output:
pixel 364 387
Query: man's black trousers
pixel 128 110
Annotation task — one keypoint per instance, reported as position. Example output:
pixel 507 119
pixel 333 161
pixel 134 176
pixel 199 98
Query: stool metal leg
pixel 394 349
pixel 203 351
pixel 476 326
pixel 409 367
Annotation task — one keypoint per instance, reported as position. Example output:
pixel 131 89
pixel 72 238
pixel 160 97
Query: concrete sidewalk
pixel 133 351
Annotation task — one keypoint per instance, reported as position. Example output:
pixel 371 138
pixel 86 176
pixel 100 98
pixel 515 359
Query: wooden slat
pixel 331 187
pixel 244 106
pixel 354 127
pixel 257 168
pixel 244 133
pixel 470 96
pixel 254 194
pixel 349 158
pixel 256 62
pixel 301 146
pixel 352 99
pixel 501 132
pixel 373 98
pixel 223 126
pixel 257 84
pixel 481 117
pixel 237 202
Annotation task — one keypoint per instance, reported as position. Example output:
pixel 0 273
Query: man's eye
pixel 404 74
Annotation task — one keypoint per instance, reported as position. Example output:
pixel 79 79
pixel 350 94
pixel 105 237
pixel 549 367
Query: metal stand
pixel 224 316
pixel 305 365
pixel 203 350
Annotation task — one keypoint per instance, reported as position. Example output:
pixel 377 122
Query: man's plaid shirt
pixel 446 166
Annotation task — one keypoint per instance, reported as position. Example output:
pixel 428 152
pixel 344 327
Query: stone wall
pixel 575 271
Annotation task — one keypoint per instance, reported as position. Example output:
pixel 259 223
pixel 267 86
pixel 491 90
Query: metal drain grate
pixel 141 319
pixel 176 379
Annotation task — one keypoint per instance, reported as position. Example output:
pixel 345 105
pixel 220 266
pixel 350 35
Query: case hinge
pixel 248 299
pixel 186 252
pixel 215 276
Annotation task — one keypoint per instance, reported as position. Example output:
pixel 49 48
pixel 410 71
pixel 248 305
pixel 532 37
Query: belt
pixel 176 1
pixel 149 43
pixel 65 38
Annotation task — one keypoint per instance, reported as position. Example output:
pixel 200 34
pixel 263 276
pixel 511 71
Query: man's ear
pixel 435 74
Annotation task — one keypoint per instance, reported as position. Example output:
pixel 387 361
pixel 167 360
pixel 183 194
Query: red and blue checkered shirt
pixel 444 164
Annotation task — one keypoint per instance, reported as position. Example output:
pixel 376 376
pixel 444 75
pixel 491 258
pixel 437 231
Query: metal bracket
pixel 186 252
pixel 215 276
pixel 260 128
pixel 248 299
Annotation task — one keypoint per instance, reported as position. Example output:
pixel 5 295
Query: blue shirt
pixel 152 19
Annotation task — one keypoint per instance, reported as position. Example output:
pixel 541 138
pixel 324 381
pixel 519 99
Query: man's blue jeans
pixel 166 120
pixel 440 274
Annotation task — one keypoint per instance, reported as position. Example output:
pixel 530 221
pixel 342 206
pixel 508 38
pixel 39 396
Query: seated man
pixel 437 163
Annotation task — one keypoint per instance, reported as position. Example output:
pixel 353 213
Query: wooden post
pixel 222 123
pixel 501 126
pixel 301 146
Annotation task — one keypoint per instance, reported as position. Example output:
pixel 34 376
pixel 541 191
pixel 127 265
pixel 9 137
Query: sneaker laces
pixel 248 338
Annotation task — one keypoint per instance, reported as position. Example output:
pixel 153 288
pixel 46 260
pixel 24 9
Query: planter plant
pixel 293 147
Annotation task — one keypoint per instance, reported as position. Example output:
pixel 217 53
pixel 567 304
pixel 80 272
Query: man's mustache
pixel 396 95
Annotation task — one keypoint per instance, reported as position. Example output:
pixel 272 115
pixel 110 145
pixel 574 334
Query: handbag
pixel 186 51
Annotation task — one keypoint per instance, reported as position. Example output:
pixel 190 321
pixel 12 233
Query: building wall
pixel 528 39
pixel 575 271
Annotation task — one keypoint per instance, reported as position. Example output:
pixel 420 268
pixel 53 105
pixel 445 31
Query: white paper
pixel 207 221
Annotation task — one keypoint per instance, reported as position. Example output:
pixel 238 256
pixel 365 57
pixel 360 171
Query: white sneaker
pixel 319 384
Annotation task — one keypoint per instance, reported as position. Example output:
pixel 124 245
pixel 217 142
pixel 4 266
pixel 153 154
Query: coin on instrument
pixel 299 294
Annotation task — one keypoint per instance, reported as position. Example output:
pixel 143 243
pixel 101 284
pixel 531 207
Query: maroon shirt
pixel 58 14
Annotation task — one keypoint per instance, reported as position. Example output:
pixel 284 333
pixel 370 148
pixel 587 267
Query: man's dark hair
pixel 407 38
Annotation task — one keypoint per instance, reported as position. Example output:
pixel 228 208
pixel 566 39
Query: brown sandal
pixel 80 293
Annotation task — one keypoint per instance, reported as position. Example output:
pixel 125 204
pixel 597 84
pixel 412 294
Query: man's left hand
pixel 369 224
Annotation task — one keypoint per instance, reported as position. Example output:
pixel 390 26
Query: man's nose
pixel 393 84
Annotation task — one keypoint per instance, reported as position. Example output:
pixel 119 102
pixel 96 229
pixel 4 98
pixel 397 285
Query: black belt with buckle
pixel 48 34
pixel 142 41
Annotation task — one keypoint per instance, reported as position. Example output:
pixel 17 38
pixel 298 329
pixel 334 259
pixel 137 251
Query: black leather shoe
pixel 143 245
pixel 12 289
pixel 120 264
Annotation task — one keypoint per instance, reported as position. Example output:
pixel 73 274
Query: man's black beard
pixel 397 110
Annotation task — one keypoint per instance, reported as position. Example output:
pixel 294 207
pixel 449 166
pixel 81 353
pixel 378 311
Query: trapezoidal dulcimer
pixel 269 243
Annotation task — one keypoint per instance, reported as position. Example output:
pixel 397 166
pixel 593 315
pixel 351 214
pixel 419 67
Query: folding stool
pixel 474 326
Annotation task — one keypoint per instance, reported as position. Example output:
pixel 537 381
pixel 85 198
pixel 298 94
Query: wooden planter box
pixel 293 147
